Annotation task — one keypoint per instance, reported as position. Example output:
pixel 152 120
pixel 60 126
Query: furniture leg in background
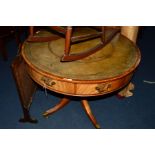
pixel 7 33
pixel 131 33
pixel 26 87
pixel 3 50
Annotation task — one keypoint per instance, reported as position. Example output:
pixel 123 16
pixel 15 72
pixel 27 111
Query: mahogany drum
pixel 105 71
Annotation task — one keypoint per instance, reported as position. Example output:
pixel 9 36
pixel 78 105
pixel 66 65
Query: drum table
pixel 108 70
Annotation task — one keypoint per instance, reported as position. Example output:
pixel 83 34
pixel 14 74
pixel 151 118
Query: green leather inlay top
pixel 116 58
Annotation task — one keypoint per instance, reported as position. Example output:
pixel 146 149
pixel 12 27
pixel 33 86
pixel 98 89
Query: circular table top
pixel 118 57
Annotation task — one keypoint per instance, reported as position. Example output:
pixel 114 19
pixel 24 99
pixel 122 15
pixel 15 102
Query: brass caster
pixel 45 114
pixel 97 126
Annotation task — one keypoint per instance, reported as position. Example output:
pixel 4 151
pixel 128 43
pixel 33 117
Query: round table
pixel 103 72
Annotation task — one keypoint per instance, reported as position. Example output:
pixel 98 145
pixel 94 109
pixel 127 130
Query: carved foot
pixel 60 105
pixel 30 120
pixel 126 92
pixel 27 117
pixel 89 113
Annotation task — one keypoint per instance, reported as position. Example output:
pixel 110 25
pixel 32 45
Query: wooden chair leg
pixel 60 105
pixel 72 57
pixel 67 43
pixel 31 31
pixel 103 34
pixel 89 113
pixel 33 38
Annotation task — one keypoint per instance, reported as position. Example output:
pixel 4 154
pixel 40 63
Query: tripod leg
pixel 60 105
pixel 89 113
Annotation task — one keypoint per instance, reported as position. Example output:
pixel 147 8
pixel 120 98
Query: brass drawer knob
pixel 48 81
pixel 104 87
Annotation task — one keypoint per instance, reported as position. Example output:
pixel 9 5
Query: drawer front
pixel 101 88
pixel 52 84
